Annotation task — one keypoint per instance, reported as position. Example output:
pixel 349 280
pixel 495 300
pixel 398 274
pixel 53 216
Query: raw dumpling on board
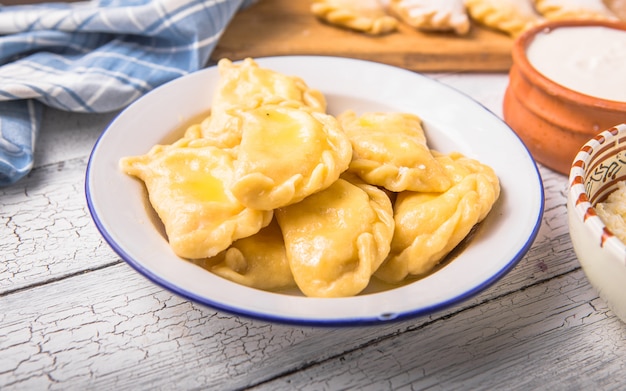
pixel 286 154
pixel 390 150
pixel 368 16
pixel 430 225
pixel 187 185
pixel 432 15
pixel 509 16
pixel 574 9
pixel 337 238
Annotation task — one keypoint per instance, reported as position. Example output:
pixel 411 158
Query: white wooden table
pixel 74 316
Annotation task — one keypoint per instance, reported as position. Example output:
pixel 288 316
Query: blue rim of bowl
pixel 331 322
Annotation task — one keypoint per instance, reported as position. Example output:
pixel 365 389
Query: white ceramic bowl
pixel 452 122
pixel 595 173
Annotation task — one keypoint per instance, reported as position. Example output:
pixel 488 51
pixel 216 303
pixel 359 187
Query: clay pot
pixel 552 120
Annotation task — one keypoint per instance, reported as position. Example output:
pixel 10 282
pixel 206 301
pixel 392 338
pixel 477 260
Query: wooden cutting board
pixel 287 27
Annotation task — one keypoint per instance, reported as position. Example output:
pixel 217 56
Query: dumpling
pixel 187 185
pixel 509 16
pixel 433 15
pixel 247 86
pixel 368 16
pixel 390 150
pixel 430 225
pixel 287 154
pixel 574 9
pixel 337 238
pixel 258 261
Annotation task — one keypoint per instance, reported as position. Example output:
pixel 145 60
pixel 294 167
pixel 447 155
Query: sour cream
pixel 587 59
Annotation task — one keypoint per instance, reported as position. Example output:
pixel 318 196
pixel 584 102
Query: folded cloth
pixel 96 56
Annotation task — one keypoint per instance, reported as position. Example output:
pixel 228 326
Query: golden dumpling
pixel 337 238
pixel 287 154
pixel 258 261
pixel 247 86
pixel 390 150
pixel 433 15
pixel 368 16
pixel 509 16
pixel 429 225
pixel 187 186
pixel 574 9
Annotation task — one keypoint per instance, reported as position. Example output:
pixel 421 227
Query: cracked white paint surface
pixel 73 316
pixel 45 227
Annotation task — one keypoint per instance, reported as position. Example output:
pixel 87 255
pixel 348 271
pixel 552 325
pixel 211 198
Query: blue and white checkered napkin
pixel 94 56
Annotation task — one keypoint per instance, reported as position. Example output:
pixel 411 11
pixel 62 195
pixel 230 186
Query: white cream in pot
pixel 587 59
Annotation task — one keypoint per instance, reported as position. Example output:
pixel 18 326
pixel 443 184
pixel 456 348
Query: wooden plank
pixel 112 329
pixel 66 136
pixel 287 27
pixel 46 231
pixel 555 335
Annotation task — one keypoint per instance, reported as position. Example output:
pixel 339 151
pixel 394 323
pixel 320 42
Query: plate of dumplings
pixel 314 190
